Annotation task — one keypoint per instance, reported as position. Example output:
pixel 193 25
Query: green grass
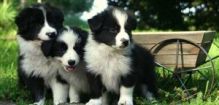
pixel 170 95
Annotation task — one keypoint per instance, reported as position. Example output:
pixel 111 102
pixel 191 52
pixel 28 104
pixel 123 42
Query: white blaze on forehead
pixel 69 37
pixel 46 27
pixel 121 18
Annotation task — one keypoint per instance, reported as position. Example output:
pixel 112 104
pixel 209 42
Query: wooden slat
pixel 166 59
pixel 171 48
pixel 158 37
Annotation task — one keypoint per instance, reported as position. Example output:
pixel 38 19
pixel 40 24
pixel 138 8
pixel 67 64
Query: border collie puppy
pixel 36 24
pixel 114 62
pixel 68 50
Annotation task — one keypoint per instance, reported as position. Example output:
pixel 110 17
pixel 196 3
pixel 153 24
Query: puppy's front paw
pixel 74 100
pixel 94 102
pixel 58 102
pixel 41 102
pixel 125 101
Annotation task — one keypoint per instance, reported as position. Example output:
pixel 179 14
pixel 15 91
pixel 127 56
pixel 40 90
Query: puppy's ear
pixel 82 33
pixel 132 22
pixel 96 22
pixel 47 47
pixel 55 15
pixel 26 17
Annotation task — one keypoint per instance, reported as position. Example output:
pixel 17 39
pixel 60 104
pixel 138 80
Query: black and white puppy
pixel 68 50
pixel 36 24
pixel 115 63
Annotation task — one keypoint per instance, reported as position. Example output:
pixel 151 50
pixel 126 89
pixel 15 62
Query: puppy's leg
pixel 126 95
pixel 37 88
pixel 96 89
pixel 60 92
pixel 105 98
pixel 73 95
pixel 146 93
pixel 127 89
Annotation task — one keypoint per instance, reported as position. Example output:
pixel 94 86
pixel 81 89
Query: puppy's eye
pixel 61 47
pixel 113 30
pixel 128 28
pixel 39 25
pixel 77 46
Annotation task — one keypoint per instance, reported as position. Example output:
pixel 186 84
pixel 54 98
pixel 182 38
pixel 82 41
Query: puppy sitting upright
pixel 68 51
pixel 37 24
pixel 114 62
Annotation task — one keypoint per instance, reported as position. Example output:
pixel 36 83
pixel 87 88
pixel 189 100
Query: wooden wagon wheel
pixel 200 76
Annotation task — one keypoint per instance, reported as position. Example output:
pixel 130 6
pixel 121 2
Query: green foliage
pixel 171 14
pixel 73 10
pixel 7 14
pixel 71 6
pixel 74 20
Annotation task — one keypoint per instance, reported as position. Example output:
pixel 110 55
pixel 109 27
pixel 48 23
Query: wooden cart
pixel 182 57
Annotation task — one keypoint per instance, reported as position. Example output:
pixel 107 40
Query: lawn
pixel 9 90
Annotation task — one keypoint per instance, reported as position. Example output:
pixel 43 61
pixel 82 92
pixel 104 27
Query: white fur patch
pixel 70 39
pixel 126 96
pixel 73 94
pixel 121 19
pixel 45 29
pixel 108 62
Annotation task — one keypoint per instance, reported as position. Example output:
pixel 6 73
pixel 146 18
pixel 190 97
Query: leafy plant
pixel 7 15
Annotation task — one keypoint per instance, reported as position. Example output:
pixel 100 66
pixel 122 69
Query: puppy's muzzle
pixel 125 43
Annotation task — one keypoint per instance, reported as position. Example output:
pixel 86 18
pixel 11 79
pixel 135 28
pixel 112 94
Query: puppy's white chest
pixel 34 62
pixel 110 65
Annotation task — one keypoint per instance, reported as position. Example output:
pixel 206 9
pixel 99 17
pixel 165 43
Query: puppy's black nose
pixel 125 42
pixel 52 34
pixel 71 62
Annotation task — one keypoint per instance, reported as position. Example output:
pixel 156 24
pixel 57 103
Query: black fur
pixel 60 79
